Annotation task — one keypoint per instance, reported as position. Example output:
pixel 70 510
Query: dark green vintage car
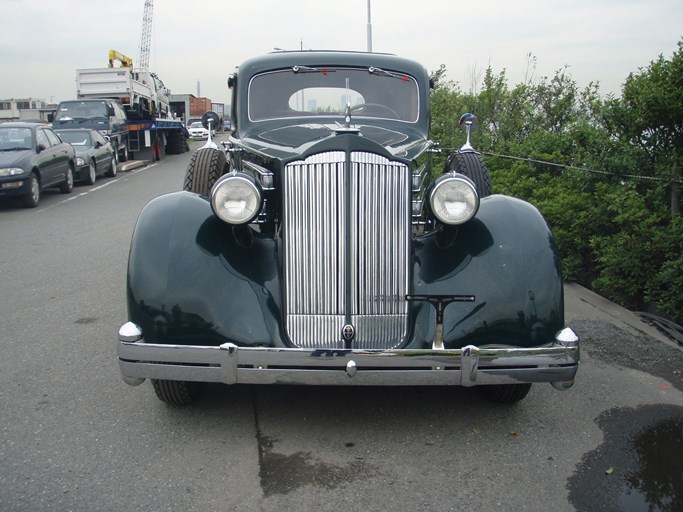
pixel 317 249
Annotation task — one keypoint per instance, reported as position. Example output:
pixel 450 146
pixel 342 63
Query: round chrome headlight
pixel 236 198
pixel 454 199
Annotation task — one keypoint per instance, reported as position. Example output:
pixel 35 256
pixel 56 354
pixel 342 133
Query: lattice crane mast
pixel 146 36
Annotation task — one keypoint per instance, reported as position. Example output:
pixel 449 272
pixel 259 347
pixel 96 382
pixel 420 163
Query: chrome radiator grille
pixel 346 237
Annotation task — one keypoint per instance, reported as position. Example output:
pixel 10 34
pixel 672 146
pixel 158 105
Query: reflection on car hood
pixel 83 150
pixel 297 135
pixel 100 123
pixel 12 158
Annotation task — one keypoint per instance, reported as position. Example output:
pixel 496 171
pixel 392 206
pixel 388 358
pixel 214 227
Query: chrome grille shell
pixel 346 234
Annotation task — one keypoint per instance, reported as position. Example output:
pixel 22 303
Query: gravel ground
pixel 631 349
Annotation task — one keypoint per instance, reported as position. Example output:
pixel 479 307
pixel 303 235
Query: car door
pixel 103 152
pixel 61 152
pixel 47 159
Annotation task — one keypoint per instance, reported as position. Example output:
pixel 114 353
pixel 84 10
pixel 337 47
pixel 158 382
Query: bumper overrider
pixel 555 363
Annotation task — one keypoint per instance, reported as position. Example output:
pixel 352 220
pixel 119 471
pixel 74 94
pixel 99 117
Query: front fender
pixel 192 281
pixel 195 280
pixel 506 258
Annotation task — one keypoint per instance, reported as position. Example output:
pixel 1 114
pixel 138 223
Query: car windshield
pixel 76 138
pixel 196 125
pixel 15 139
pixel 73 110
pixel 305 91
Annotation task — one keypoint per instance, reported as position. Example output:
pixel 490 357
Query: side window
pixel 120 114
pixel 41 138
pixel 96 137
pixel 52 137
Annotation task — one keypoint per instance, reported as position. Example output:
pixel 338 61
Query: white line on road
pixel 82 194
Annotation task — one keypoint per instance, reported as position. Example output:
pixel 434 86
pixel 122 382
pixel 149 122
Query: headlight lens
pixel 80 161
pixel 454 199
pixel 236 198
pixel 11 171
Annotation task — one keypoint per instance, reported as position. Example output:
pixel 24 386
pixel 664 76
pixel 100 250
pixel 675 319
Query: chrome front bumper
pixel 556 363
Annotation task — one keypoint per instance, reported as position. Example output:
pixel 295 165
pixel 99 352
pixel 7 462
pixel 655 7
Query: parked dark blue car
pixel 33 158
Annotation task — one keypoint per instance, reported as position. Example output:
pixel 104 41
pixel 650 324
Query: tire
pixel 506 393
pixel 113 168
pixel 32 199
pixel 176 392
pixel 471 164
pixel 205 167
pixel 68 185
pixel 122 156
pixel 115 148
pixel 92 173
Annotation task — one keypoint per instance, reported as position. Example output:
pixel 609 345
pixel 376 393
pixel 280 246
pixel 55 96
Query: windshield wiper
pixel 16 149
pixel 382 72
pixel 307 69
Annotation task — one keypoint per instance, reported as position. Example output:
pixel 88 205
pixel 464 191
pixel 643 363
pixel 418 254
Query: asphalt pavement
pixel 74 437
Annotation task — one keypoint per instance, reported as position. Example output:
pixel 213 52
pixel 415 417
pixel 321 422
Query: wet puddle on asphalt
pixel 639 465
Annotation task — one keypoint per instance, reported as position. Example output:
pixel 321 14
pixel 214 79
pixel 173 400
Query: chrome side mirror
pixel 468 122
pixel 210 121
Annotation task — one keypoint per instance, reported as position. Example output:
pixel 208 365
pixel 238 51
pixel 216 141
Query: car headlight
pixel 454 199
pixel 80 161
pixel 236 198
pixel 11 171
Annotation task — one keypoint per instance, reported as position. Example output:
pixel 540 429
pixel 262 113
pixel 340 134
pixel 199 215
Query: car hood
pixel 14 158
pixel 98 123
pixel 83 150
pixel 289 140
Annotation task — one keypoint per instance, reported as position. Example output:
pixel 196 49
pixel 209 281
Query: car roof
pixel 284 59
pixel 19 124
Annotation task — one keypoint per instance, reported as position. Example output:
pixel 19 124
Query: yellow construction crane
pixel 124 61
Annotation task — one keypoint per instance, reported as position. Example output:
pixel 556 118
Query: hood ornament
pixel 347 128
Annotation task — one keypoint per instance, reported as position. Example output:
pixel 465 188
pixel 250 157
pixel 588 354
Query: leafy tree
pixel 649 115
pixel 577 156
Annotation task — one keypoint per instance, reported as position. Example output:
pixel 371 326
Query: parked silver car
pixel 94 154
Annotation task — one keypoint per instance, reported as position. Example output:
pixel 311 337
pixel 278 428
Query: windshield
pixel 196 125
pixel 81 110
pixel 76 138
pixel 15 139
pixel 304 91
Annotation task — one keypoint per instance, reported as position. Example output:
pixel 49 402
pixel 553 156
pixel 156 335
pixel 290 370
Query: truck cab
pixel 107 116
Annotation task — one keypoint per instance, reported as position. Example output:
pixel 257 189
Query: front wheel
pixel 205 167
pixel 32 199
pixel 122 156
pixel 506 393
pixel 176 392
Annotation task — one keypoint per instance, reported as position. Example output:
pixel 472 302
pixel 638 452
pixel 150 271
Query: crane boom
pixel 146 36
pixel 124 61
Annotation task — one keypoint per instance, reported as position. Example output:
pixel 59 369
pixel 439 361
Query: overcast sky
pixel 42 42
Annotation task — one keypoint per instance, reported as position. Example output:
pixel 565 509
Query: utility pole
pixel 369 28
